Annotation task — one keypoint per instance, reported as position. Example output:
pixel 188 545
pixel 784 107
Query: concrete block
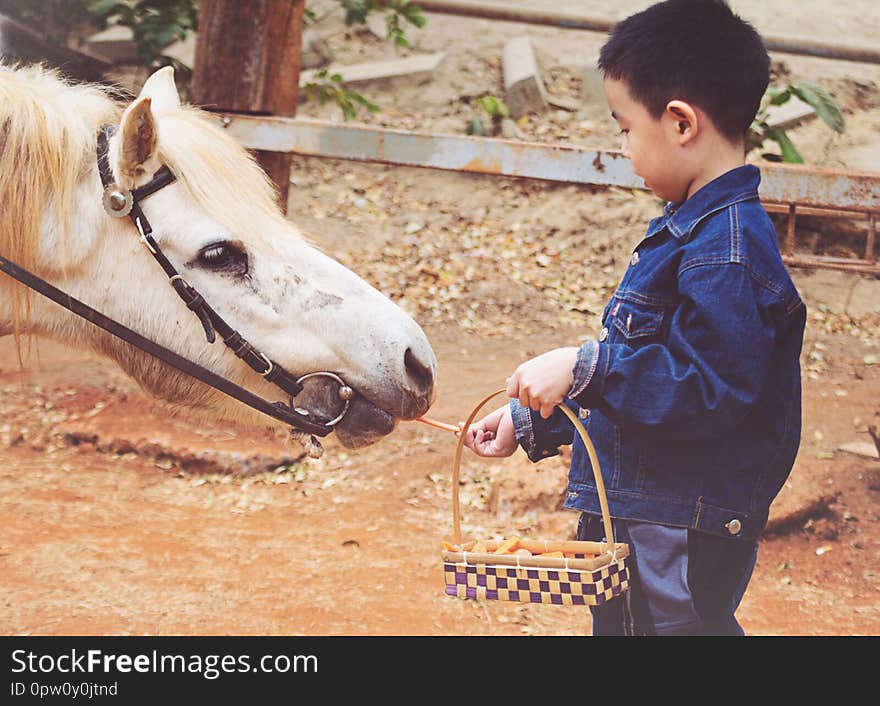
pixel 861 448
pixel 418 69
pixel 183 50
pixel 791 113
pixel 524 90
pixel 116 43
pixel 377 25
pixel 592 87
pixel 315 50
pixel 571 105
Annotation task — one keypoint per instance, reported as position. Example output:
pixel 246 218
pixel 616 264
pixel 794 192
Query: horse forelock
pixel 219 174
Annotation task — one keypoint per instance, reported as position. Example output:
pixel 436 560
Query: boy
pixel 692 392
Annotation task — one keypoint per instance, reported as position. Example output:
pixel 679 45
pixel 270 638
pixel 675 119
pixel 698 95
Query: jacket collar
pixel 739 184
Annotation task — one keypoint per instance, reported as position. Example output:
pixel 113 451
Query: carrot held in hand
pixel 455 428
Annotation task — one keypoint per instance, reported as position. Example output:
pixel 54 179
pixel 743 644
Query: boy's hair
pixel 697 51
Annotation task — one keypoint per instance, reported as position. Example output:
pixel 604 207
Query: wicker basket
pixel 588 573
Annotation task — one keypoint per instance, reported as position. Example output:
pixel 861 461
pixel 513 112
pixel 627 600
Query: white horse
pixel 220 226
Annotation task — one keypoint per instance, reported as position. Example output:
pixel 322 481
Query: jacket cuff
pixel 590 378
pixel 524 431
pixel 522 426
pixel 584 368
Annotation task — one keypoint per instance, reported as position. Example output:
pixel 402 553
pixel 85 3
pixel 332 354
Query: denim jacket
pixel 692 394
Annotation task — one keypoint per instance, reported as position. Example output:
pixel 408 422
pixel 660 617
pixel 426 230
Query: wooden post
pixel 248 57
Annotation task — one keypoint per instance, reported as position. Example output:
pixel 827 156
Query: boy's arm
pixel 703 380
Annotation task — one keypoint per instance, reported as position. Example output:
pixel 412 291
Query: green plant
pixel 332 87
pixel 356 11
pixel 810 93
pixel 495 109
pixel 154 25
pixel 409 12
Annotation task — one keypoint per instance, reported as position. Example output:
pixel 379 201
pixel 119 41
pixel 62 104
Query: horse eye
pixel 224 257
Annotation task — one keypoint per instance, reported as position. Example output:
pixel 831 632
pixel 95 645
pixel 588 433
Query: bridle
pixel 119 202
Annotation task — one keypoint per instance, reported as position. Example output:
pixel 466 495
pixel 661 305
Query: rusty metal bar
pixel 822 188
pixel 819 262
pixel 570 20
pixel 771 207
pixel 789 235
pixel 505 13
pixel 787 188
pixel 319 138
pixel 869 241
pixel 867 265
pixel 812 187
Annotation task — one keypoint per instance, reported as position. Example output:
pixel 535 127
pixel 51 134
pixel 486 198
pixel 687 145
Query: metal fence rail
pixel 825 192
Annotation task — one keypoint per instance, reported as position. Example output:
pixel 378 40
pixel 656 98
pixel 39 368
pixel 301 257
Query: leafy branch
pixel 332 88
pixel 356 12
pixel 154 24
pixel 810 93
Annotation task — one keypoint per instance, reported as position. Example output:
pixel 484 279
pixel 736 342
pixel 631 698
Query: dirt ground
pixel 117 519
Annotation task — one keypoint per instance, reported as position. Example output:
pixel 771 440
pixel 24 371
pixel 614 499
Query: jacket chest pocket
pixel 637 323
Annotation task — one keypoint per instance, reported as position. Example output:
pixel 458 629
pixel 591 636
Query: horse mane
pixel 48 127
pixel 46 141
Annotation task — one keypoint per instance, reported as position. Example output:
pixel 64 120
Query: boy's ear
pixel 684 120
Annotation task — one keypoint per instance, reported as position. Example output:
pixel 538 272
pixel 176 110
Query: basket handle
pixel 591 452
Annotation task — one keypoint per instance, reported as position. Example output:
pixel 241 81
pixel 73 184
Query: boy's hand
pixel 493 435
pixel 542 382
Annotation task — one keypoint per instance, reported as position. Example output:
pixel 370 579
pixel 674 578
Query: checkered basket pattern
pixel 483 580
pixel 587 574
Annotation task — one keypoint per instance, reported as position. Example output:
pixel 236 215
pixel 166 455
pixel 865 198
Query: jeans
pixel 682 582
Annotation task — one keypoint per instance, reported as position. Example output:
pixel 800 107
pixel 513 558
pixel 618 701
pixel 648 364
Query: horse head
pixel 220 226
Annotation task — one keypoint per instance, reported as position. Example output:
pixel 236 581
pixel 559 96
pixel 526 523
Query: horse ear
pixel 137 153
pixel 160 87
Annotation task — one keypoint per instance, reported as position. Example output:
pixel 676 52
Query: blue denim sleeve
pixel 702 380
pixel 541 438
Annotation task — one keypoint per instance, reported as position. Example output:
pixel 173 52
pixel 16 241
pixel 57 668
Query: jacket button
pixel 634 260
pixel 603 334
pixel 583 413
pixel 734 526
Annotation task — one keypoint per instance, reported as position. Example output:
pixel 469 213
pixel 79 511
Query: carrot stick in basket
pixel 439 425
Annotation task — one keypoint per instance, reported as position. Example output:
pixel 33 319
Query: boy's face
pixel 650 143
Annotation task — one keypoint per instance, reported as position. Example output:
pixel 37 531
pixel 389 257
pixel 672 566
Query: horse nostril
pixel 421 375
